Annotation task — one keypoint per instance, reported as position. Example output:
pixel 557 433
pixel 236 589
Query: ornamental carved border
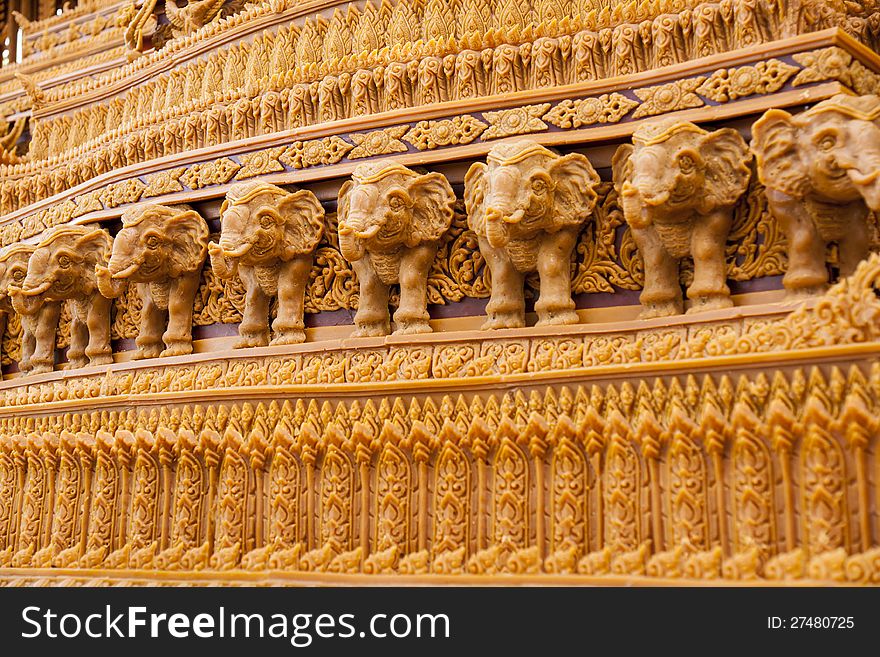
pixel 763 79
pixel 593 460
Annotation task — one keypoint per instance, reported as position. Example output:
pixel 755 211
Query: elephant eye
pixel 827 142
pixel 152 242
pixel 687 164
pixel 63 261
pixel 266 222
pixel 396 203
pixel 18 275
pixel 539 186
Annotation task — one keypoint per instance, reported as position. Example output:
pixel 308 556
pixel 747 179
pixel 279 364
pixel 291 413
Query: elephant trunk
pixel 121 267
pixel 652 191
pixel 499 218
pixel 351 246
pixel 109 286
pixel 223 266
pixel 24 302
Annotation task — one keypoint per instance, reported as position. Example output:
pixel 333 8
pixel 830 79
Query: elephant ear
pixel 303 223
pixel 95 245
pixel 343 204
pixel 728 169
pixel 188 233
pixel 432 206
pixel 475 197
pixel 575 193
pixel 774 142
pixel 621 165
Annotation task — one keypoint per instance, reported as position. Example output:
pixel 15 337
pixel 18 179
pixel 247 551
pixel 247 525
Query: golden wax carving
pixel 62 268
pixel 737 445
pixel 527 206
pixel 678 185
pixel 13 269
pixel 821 169
pixel 268 239
pixel 160 249
pixel 391 220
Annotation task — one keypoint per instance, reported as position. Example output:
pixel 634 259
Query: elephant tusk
pixel 864 179
pixel 628 189
pixel 514 218
pixel 34 291
pixel 370 232
pixel 237 253
pixel 125 273
pixel 345 230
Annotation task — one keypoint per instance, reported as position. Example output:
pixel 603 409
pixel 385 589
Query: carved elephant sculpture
pixel 678 185
pixel 821 170
pixel 527 206
pixel 162 250
pixel 13 269
pixel 268 237
pixel 391 220
pixel 62 268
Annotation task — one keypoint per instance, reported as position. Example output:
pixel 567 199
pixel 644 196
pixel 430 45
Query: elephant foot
pixel 41 368
pixel 712 302
pixel 412 327
pixel 177 348
pixel 149 351
pixel 804 293
pixel 291 336
pixel 661 309
pixel 101 359
pixel 77 362
pixel 25 365
pixel 258 340
pixel 557 317
pixel 504 320
pixel 372 330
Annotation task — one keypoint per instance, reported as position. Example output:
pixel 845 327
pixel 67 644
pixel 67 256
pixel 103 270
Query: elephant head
pixel 13 269
pixel 262 224
pixel 525 188
pixel 156 243
pixel 62 267
pixel 386 205
pixel 831 151
pixel 676 167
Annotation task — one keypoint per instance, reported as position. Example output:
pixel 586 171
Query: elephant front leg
pixel 79 339
pixel 28 344
pixel 709 290
pixel 661 295
pixel 289 327
pixel 807 274
pixel 149 339
pixel 98 348
pixel 506 307
pixel 254 328
pixel 178 337
pixel 555 305
pixel 45 328
pixel 412 314
pixel 853 247
pixel 372 317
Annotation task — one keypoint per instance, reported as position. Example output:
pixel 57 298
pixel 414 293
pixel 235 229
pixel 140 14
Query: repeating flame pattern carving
pixel 545 478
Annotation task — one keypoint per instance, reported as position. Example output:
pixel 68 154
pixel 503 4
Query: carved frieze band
pixel 767 476
pixel 724 85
